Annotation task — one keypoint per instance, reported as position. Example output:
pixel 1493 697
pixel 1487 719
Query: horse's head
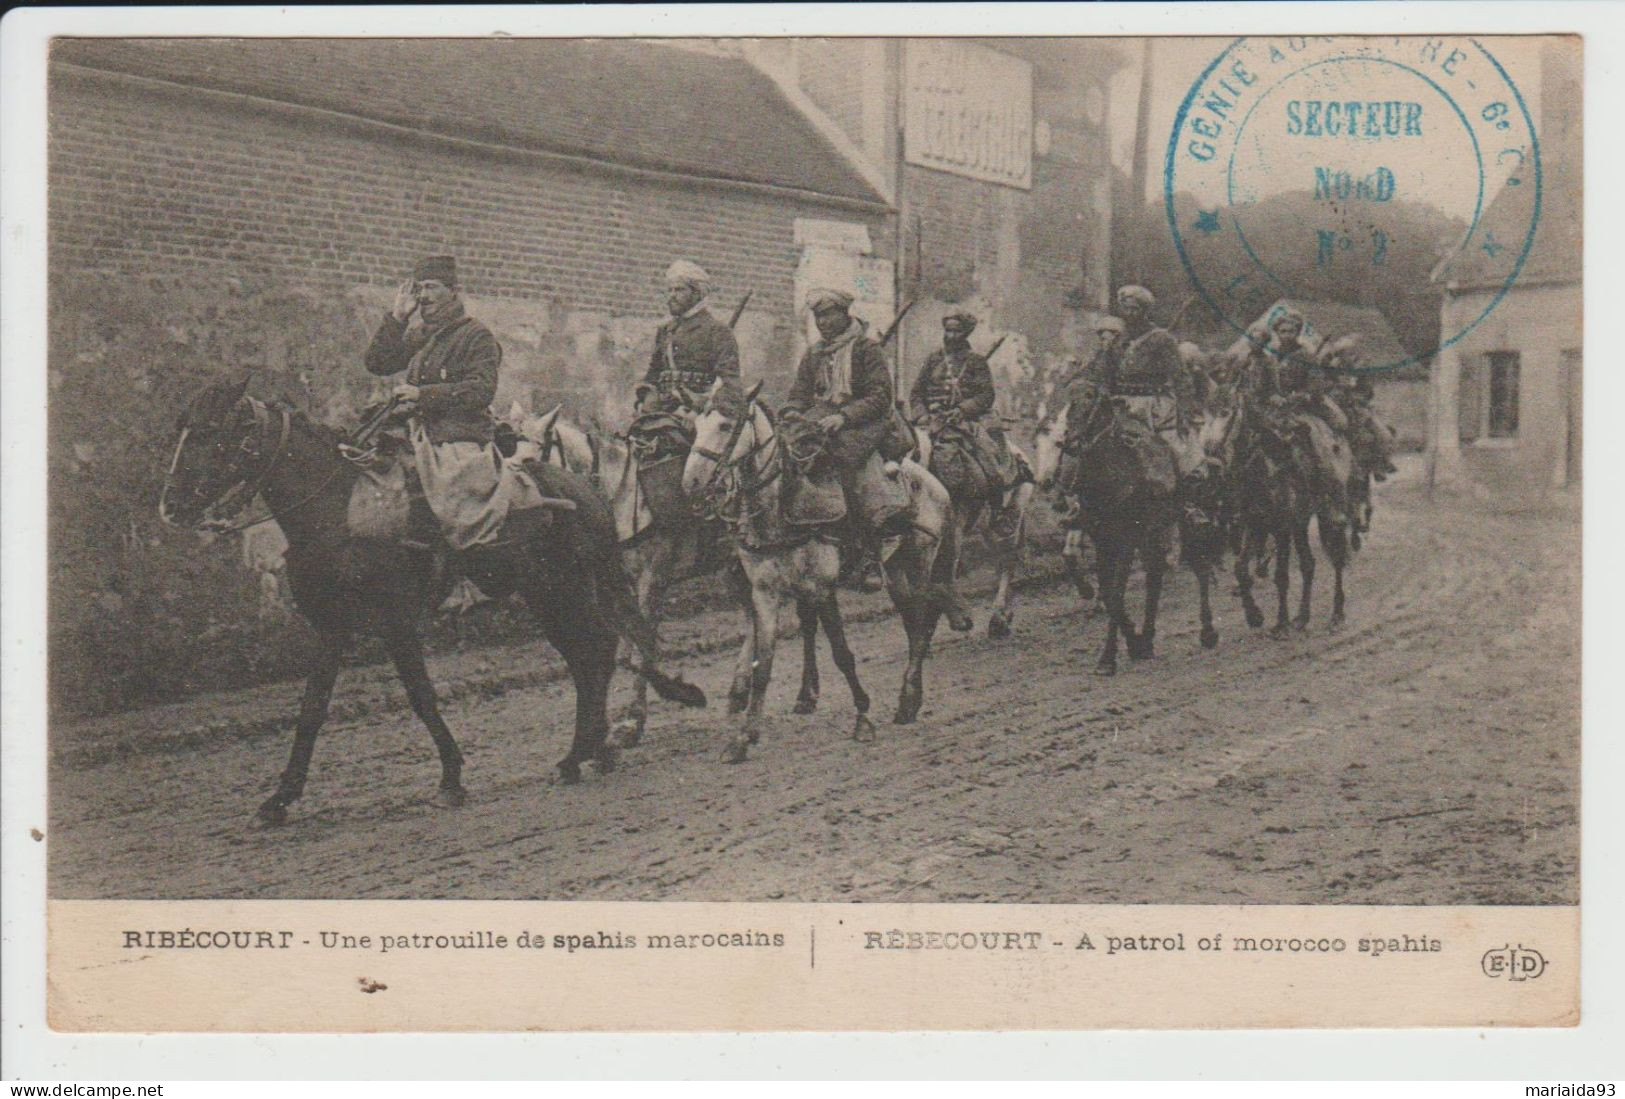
pixel 719 435
pixel 215 453
pixel 1047 447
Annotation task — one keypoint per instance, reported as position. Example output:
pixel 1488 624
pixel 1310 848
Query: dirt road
pixel 1427 752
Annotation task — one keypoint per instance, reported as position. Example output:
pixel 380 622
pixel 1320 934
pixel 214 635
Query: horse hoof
pixel 605 759
pixel 273 813
pixel 1337 620
pixel 1106 667
pixel 1301 623
pixel 450 797
pixel 960 623
pixel 998 627
pixel 1280 632
pixel 626 734
pixel 804 706
pixel 1210 637
pixel 569 772
pixel 735 750
pixel 863 731
pixel 1255 617
pixel 738 703
pixel 1086 591
pixel 905 715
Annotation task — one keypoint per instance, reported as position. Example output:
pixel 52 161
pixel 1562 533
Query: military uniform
pixel 849 375
pixel 454 364
pixel 453 360
pixel 691 352
pixel 956 385
pixel 1149 374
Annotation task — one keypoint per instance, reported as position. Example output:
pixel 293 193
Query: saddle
pixel 812 493
pixel 650 490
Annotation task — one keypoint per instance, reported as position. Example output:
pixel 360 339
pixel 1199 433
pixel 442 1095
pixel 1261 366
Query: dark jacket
pixel 690 354
pixel 454 367
pixel 866 410
pixel 935 390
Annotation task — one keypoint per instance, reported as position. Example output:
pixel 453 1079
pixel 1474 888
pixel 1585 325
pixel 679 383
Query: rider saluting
pixel 451 362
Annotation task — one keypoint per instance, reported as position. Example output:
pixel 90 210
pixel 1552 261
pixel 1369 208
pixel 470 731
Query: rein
pixel 247 488
pixel 717 496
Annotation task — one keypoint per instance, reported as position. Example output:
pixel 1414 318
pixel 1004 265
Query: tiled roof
pixel 635 103
pixel 1554 256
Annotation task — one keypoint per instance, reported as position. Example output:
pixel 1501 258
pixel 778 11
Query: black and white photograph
pixel 1063 470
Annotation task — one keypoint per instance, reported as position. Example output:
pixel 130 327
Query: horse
pixel 1277 486
pixel 738 466
pixel 1004 526
pixel 232 447
pixel 668 550
pixel 1127 486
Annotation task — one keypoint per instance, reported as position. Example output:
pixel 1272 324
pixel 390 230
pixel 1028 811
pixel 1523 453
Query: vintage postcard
pixel 777 533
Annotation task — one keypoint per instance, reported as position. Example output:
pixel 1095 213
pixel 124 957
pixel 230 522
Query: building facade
pixel 565 175
pixel 1506 412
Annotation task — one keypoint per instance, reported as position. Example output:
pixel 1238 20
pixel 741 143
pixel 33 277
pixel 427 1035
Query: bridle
pixel 726 486
pixel 242 492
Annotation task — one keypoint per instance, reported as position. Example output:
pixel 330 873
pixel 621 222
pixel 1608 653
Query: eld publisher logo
pixel 1515 963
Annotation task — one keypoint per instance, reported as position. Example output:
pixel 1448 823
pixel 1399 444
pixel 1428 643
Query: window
pixel 1502 420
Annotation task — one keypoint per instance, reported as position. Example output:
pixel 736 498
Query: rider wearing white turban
pixel 688 273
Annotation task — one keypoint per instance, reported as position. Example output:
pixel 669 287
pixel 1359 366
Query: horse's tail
pixel 596 544
pixel 620 604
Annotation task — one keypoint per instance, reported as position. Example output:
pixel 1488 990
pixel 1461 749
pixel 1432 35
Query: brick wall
pixel 148 180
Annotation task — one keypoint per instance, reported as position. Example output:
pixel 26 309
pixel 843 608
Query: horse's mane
pixel 326 432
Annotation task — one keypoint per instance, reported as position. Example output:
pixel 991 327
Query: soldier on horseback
pixel 951 401
pixel 451 363
pixel 692 349
pixel 842 384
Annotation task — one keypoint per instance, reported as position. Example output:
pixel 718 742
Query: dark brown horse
pixel 232 447
pixel 1278 484
pixel 1126 483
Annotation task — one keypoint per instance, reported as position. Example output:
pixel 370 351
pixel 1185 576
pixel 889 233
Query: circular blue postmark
pixel 1338 130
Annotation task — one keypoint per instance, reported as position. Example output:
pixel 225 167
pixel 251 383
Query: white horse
pixel 739 461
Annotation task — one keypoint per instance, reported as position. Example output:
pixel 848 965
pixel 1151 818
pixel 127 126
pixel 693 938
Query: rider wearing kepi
pixel 955 390
pixel 842 382
pixel 451 362
pixel 692 349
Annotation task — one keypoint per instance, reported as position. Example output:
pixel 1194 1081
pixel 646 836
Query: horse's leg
pixel 1007 554
pixel 1335 539
pixel 1252 546
pixel 1306 566
pixel 829 612
pixel 764 602
pixel 406 650
pixel 1072 555
pixel 911 593
pixel 1202 565
pixel 324 672
pixel 739 690
pixel 1283 581
pixel 1113 581
pixel 942 571
pixel 575 627
pixel 1155 553
pixel 651 583
pixel 807 700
